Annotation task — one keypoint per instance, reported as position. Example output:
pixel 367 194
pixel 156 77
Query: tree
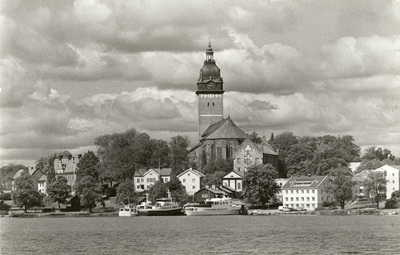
pixel 89 198
pixel 158 190
pixel 255 138
pixel 87 182
pixel 88 166
pixel 369 164
pixel 178 145
pixel 46 166
pixel 26 193
pixel 378 153
pixel 178 191
pixel 214 178
pixel 259 183
pixel 59 190
pixel 6 174
pixel 375 186
pixel 160 154
pixel 122 153
pixel 126 193
pixel 340 185
pixel 224 165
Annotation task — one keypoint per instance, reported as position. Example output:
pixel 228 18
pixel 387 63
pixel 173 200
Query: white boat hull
pixel 211 211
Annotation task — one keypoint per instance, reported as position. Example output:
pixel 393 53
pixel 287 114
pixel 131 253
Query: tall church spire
pixel 209 92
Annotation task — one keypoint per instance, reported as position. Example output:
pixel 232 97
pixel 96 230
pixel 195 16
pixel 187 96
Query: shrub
pixel 391 204
pixel 5 196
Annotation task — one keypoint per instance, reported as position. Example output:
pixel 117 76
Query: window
pixel 238 161
pixel 291 199
pixel 308 191
pixel 322 199
pixel 313 191
pixel 188 174
pixel 291 191
pixel 138 179
pixel 297 199
pixel 184 180
pixel 308 199
pixel 302 199
pixel 297 191
pixel 286 199
pixel 142 180
pixel 313 199
pixel 239 185
pixel 302 191
pixel 193 187
pixel 193 180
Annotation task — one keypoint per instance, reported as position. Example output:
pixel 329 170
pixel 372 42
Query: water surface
pixel 358 234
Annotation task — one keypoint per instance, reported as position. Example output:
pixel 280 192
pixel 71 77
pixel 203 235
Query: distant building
pixel 249 153
pixel 305 191
pixel 208 193
pixel 34 173
pixel 144 179
pixel 191 180
pixel 392 178
pixel 359 179
pixel 354 165
pixel 67 166
pixel 42 184
pixel 234 180
pixel 281 182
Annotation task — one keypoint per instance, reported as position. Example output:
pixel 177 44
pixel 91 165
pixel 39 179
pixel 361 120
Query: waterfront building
pixel 35 175
pixel 67 166
pixel 207 193
pixel 42 184
pixel 144 179
pixel 234 180
pixel 305 191
pixel 359 179
pixel 392 178
pixel 191 180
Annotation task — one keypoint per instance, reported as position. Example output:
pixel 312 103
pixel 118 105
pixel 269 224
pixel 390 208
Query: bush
pixel 391 204
pixel 5 196
pixel 328 203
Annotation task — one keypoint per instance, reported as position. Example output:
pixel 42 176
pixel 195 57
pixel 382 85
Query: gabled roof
pixel 43 178
pixel 268 149
pixel 194 171
pixel 140 172
pixel 215 191
pixel 18 174
pixel 314 181
pixel 240 174
pixel 224 129
pixel 161 172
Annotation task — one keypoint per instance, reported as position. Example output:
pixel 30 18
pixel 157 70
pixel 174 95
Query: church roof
pixel 267 148
pixel 224 129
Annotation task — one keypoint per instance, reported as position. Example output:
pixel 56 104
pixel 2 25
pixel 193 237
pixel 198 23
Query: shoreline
pixel 257 212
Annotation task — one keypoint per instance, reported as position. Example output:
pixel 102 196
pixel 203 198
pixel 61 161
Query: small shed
pixel 73 204
pixel 207 193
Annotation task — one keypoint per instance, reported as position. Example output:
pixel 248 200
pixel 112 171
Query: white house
pixel 305 191
pixel 143 179
pixel 233 180
pixel 392 178
pixel 191 179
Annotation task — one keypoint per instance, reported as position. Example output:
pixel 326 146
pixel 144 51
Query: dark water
pixel 202 235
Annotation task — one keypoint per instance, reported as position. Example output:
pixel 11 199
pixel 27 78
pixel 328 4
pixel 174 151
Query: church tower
pixel 209 93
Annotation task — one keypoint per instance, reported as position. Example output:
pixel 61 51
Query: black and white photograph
pixel 199 127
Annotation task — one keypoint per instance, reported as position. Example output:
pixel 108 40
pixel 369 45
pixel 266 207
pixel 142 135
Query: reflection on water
pixel 202 235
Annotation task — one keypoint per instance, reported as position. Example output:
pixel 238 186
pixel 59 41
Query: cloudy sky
pixel 74 70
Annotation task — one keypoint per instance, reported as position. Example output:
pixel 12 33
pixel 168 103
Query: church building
pixel 219 138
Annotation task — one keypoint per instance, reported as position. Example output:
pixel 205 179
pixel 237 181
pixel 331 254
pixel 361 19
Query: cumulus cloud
pixel 73 70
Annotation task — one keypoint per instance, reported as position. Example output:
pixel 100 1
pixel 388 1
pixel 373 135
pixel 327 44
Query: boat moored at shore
pixel 215 206
pixel 127 211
